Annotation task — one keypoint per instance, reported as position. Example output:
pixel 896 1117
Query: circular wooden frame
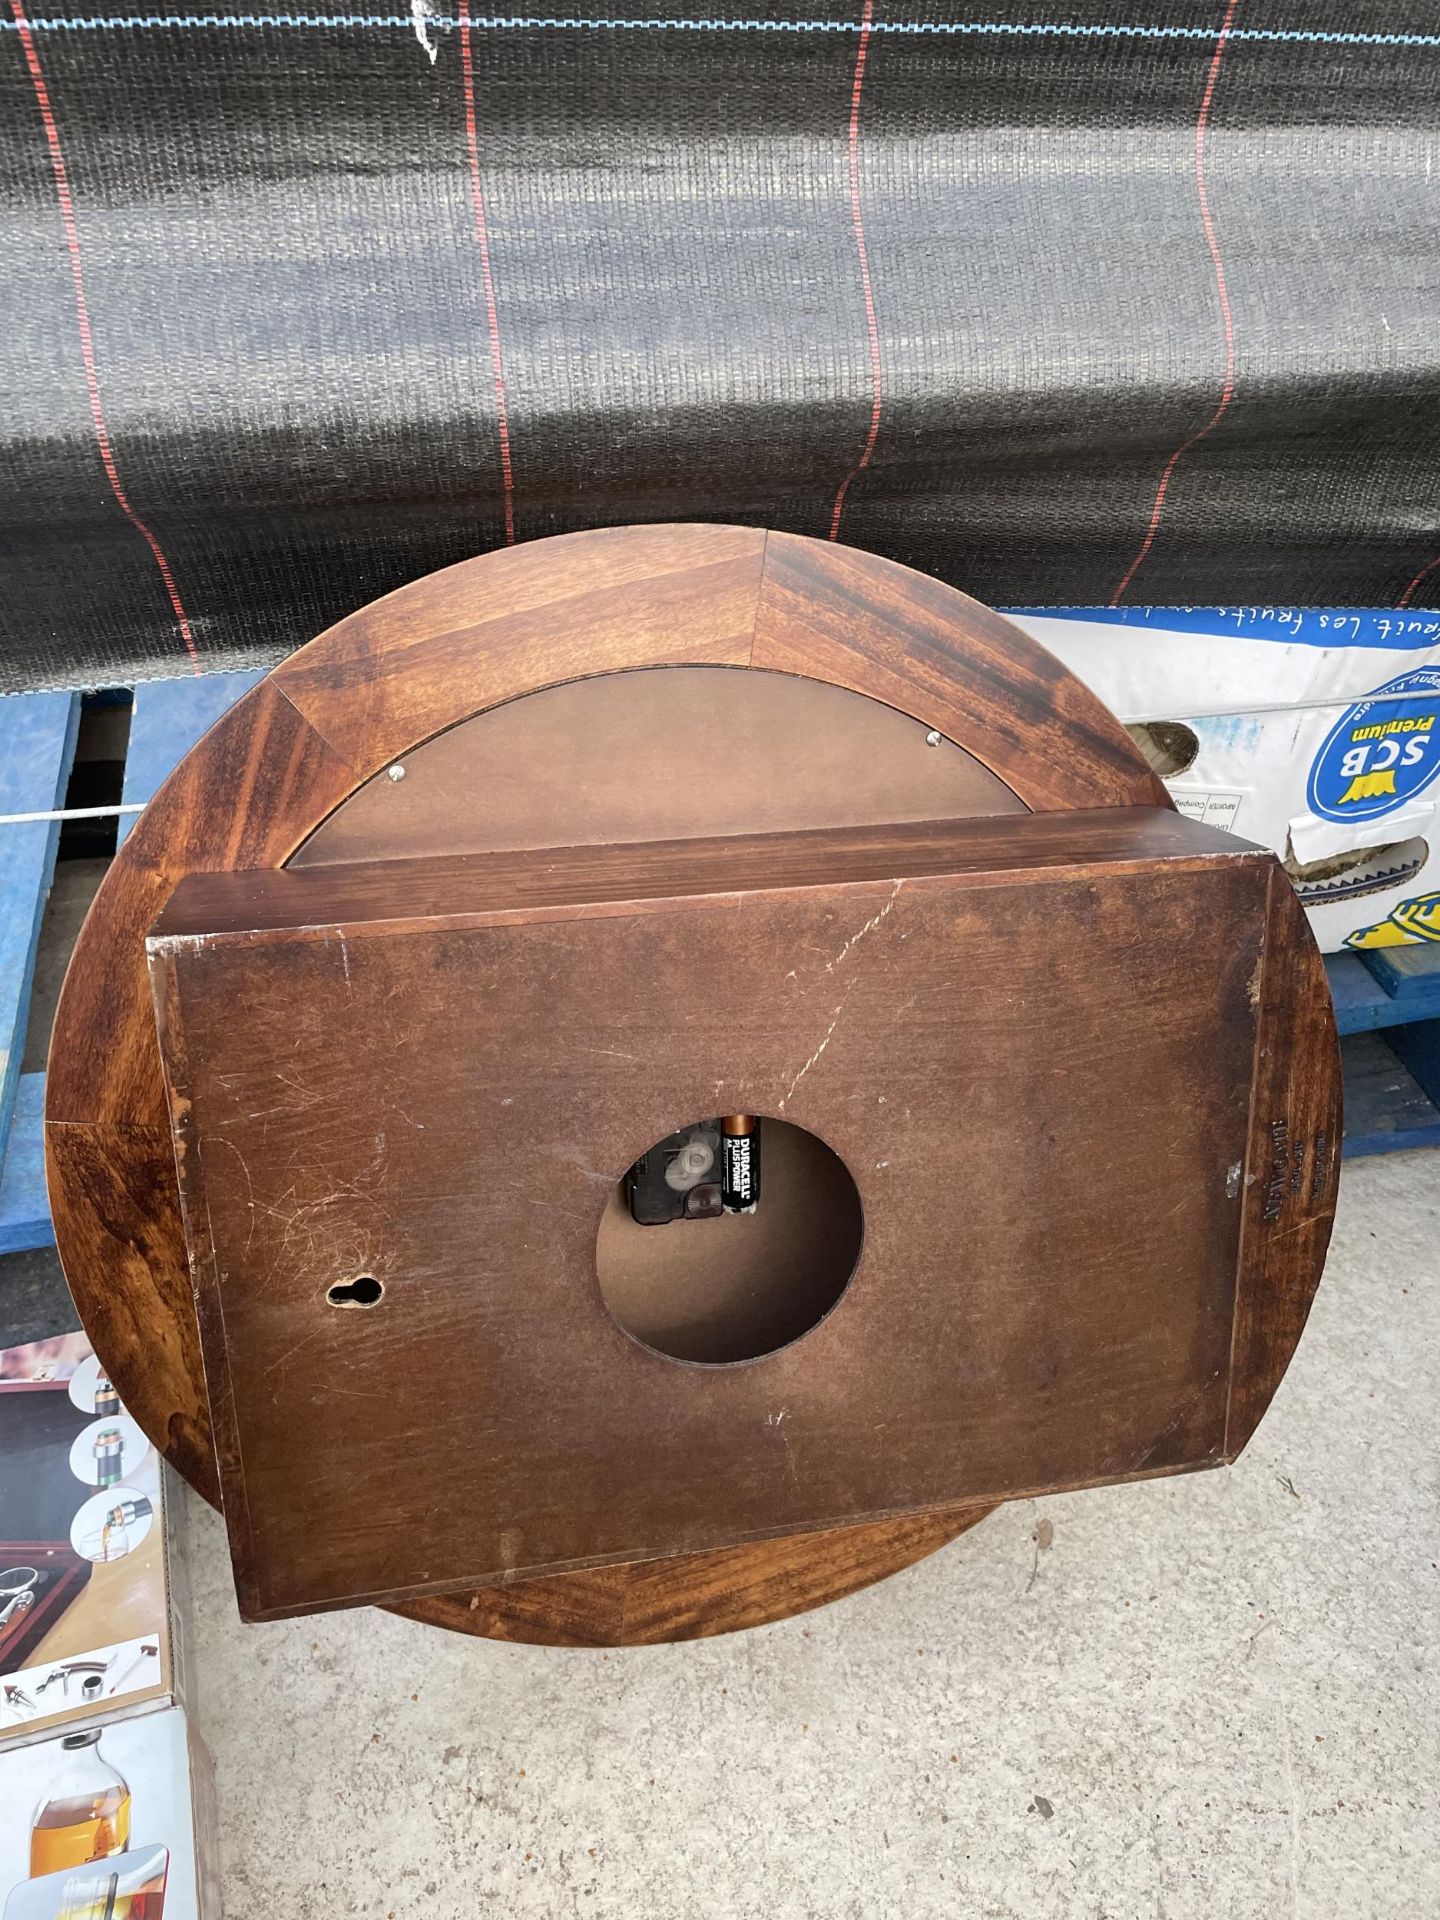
pixel 360 697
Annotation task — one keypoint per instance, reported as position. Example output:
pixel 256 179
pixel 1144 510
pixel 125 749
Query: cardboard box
pixel 1313 731
pixel 113 1823
pixel 92 1569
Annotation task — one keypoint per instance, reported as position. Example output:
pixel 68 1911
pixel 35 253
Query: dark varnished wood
pixel 127 1267
pixel 475 635
pixel 529 882
pixel 239 800
pixel 898 636
pixel 695 1596
pixel 1052 1230
pixel 377 686
pixel 236 801
pixel 1292 1169
pixel 487 631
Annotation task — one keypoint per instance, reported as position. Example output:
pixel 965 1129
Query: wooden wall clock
pixel 511 879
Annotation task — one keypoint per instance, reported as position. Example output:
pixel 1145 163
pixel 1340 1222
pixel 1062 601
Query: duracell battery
pixel 740 1162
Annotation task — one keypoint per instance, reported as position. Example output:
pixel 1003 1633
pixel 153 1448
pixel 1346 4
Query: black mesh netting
pixel 1056 302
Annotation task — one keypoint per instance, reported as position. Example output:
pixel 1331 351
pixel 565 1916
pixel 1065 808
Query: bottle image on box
pixel 112 1523
pixel 130 1887
pixel 87 1815
pixel 107 1400
pixel 108 1448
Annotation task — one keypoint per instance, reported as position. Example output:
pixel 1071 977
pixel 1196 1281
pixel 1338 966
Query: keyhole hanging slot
pixel 363 1291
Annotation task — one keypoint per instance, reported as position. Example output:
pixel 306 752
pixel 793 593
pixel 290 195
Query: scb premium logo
pixel 1381 752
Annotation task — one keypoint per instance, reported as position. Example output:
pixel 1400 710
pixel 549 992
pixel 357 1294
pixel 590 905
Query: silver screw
pixel 397 772
pixel 932 739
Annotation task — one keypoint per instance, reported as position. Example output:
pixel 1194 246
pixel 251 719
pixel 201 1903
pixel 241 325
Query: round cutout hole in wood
pixel 363 1291
pixel 729 1239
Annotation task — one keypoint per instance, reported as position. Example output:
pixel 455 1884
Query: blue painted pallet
pixel 24 1209
pixel 1410 975
pixel 169 717
pixel 1392 1084
pixel 1388 987
pixel 37 747
pixel 1386 1108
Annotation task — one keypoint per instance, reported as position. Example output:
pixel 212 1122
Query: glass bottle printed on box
pixel 85 1814
pixel 131 1887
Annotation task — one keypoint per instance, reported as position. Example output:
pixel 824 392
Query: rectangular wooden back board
pixel 1032 1042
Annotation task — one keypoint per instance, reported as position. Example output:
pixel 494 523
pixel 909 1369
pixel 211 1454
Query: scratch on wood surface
pixel 838 960
pixel 1286 1232
pixel 588 1173
pixel 829 1036
pixel 290 1352
pixel 221 1141
pixel 308 1096
pixel 869 927
pixel 181 942
pixel 1172 1425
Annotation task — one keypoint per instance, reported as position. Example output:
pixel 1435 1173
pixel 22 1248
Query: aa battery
pixel 740 1162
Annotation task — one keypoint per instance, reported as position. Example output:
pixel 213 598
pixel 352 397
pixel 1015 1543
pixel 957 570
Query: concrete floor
pixel 1198 1699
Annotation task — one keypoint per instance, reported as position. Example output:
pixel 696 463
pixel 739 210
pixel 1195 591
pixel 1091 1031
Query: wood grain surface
pixel 234 802
pixel 375 689
pixel 894 634
pixel 128 1270
pixel 1050 1187
pixel 695 1596
pixel 530 882
pixel 475 635
pixel 1292 1171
